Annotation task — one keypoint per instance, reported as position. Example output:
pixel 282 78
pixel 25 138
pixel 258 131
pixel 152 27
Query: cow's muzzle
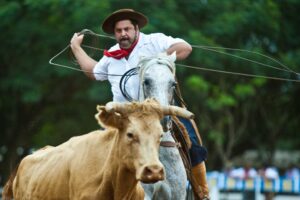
pixel 152 173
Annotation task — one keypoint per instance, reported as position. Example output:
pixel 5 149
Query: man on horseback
pixel 131 45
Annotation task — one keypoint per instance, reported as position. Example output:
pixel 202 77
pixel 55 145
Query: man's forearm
pixel 86 63
pixel 182 49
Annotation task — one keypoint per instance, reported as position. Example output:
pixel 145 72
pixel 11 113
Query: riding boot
pixel 200 184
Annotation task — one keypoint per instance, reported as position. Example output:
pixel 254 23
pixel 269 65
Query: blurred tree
pixel 41 104
pixel 232 109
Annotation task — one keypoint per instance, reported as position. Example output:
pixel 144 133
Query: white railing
pixel 280 185
pixel 221 183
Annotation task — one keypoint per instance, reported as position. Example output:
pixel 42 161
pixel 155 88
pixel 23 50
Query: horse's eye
pixel 130 135
pixel 174 84
pixel 147 82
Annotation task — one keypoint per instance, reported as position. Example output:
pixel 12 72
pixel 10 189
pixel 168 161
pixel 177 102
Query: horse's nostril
pixel 166 123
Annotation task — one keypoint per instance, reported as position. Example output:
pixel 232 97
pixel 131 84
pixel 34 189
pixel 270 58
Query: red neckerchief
pixel 121 53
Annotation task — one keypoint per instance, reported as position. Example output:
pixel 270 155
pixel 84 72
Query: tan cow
pixel 99 165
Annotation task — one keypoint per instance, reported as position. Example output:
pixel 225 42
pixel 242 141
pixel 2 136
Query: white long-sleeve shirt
pixel 107 67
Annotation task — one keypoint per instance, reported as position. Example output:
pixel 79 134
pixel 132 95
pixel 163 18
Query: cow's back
pixel 47 172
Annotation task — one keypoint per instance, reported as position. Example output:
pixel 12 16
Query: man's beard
pixel 126 42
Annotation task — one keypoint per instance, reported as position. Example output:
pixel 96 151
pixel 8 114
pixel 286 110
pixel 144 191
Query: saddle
pixel 181 136
pixel 183 142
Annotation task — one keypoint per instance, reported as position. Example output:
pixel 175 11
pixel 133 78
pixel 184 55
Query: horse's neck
pixel 168 136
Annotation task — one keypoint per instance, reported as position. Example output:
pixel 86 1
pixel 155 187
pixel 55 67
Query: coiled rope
pixel 219 50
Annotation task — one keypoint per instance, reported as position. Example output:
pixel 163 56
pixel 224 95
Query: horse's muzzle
pixel 166 123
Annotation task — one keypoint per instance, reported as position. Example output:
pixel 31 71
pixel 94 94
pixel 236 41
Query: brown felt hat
pixel 109 22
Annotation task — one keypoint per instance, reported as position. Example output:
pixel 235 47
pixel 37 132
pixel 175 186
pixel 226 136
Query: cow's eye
pixel 130 135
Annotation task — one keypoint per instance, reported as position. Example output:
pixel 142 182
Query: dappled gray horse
pixel 157 80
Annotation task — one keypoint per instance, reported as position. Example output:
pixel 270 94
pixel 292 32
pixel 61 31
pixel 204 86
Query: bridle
pixel 144 64
pixel 148 62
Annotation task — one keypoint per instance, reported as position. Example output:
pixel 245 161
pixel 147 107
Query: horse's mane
pixel 161 58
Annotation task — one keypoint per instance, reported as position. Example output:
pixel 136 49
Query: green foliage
pixel 197 84
pixel 220 100
pixel 259 82
pixel 217 137
pixel 244 90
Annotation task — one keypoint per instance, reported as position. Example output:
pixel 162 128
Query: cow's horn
pixel 116 107
pixel 175 110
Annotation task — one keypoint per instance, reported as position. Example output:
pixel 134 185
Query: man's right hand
pixel 86 63
pixel 76 40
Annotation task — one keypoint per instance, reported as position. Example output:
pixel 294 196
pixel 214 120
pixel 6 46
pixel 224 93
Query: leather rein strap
pixel 170 144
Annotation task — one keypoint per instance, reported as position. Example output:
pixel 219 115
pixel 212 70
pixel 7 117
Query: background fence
pixel 224 187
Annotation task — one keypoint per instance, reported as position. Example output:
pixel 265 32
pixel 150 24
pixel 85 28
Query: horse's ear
pixel 173 56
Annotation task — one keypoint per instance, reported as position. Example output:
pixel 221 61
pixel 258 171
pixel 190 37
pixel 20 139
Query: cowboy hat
pixel 109 22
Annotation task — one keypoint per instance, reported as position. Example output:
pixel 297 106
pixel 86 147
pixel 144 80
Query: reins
pixel 123 82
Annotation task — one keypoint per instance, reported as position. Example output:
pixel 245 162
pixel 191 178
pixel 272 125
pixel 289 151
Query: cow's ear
pixel 110 119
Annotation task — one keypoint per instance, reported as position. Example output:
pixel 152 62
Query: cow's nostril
pixel 152 170
pixel 152 174
pixel 147 171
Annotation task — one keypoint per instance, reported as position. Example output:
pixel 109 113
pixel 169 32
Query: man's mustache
pixel 124 39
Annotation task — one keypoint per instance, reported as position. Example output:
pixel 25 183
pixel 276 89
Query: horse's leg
pixel 175 171
pixel 157 191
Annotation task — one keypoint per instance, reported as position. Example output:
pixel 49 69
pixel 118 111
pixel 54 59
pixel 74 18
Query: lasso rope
pixel 208 48
pixel 123 82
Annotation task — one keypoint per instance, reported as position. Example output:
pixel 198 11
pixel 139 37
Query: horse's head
pixel 157 80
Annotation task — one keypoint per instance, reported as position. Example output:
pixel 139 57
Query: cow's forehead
pixel 147 123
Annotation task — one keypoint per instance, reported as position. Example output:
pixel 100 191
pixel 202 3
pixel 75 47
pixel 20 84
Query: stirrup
pixel 198 195
pixel 206 198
